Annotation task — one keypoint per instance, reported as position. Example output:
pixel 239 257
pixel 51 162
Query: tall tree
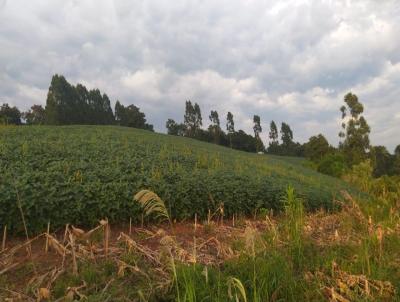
pixel 83 104
pixel 286 134
pixel 396 163
pixel 198 119
pixel 288 147
pixel 257 130
pixel 192 119
pixel 397 150
pixel 230 124
pixel 214 128
pixel 9 115
pixel 230 127
pixel 35 116
pixel 67 104
pixel 119 112
pixel 274 139
pixel 257 126
pixel 107 116
pixel 189 119
pixel 355 133
pixel 214 118
pixel 58 109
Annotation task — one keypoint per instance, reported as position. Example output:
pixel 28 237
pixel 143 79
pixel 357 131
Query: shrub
pixel 332 164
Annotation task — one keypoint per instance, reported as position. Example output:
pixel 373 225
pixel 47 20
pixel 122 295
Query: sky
pixel 290 61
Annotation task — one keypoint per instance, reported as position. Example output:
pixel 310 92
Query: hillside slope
pixel 79 174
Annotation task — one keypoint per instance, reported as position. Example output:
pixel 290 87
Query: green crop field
pixel 79 174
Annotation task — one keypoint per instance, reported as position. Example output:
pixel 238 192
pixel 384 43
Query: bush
pixel 332 164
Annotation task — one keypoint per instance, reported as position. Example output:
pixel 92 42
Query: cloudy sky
pixel 288 61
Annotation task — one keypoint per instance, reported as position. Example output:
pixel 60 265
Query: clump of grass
pixel 209 227
pixel 294 211
pixel 236 290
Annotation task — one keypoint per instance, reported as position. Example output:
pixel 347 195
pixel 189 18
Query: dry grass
pixel 157 250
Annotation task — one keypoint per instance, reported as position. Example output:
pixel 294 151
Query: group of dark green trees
pixel 9 115
pixel 67 105
pixel 192 127
pixel 353 148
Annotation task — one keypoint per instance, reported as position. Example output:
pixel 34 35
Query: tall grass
pixel 294 212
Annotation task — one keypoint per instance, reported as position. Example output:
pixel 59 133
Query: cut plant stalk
pixel 74 262
pixel 106 230
pixel 46 248
pixel 3 243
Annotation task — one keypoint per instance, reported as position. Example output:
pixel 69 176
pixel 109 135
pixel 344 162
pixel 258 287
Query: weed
pixel 294 224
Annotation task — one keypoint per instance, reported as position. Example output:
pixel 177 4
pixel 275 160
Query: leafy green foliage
pixel 35 116
pixel 332 164
pixel 79 174
pixel 355 131
pixel 294 212
pixel 257 130
pixel 274 139
pixel 9 115
pixel 67 104
pixel 230 124
pixel 383 162
pixel 215 129
pixel 173 128
pixel 131 116
pixel 192 119
pixel 317 147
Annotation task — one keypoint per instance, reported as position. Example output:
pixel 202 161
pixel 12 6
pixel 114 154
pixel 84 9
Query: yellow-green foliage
pixel 152 204
pixel 384 192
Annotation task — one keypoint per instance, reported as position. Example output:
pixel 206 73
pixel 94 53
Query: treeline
pixel 240 140
pixel 353 149
pixel 67 104
pixel 354 146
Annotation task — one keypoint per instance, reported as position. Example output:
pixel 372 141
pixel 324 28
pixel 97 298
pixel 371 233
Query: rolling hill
pixel 79 174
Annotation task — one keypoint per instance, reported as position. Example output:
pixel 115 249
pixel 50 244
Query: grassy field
pixel 78 174
pixel 236 250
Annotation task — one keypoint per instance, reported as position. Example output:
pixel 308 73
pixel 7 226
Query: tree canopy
pixel 317 147
pixel 131 116
pixel 9 115
pixel 355 133
pixel 35 116
pixel 192 119
pixel 273 147
pixel 67 104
